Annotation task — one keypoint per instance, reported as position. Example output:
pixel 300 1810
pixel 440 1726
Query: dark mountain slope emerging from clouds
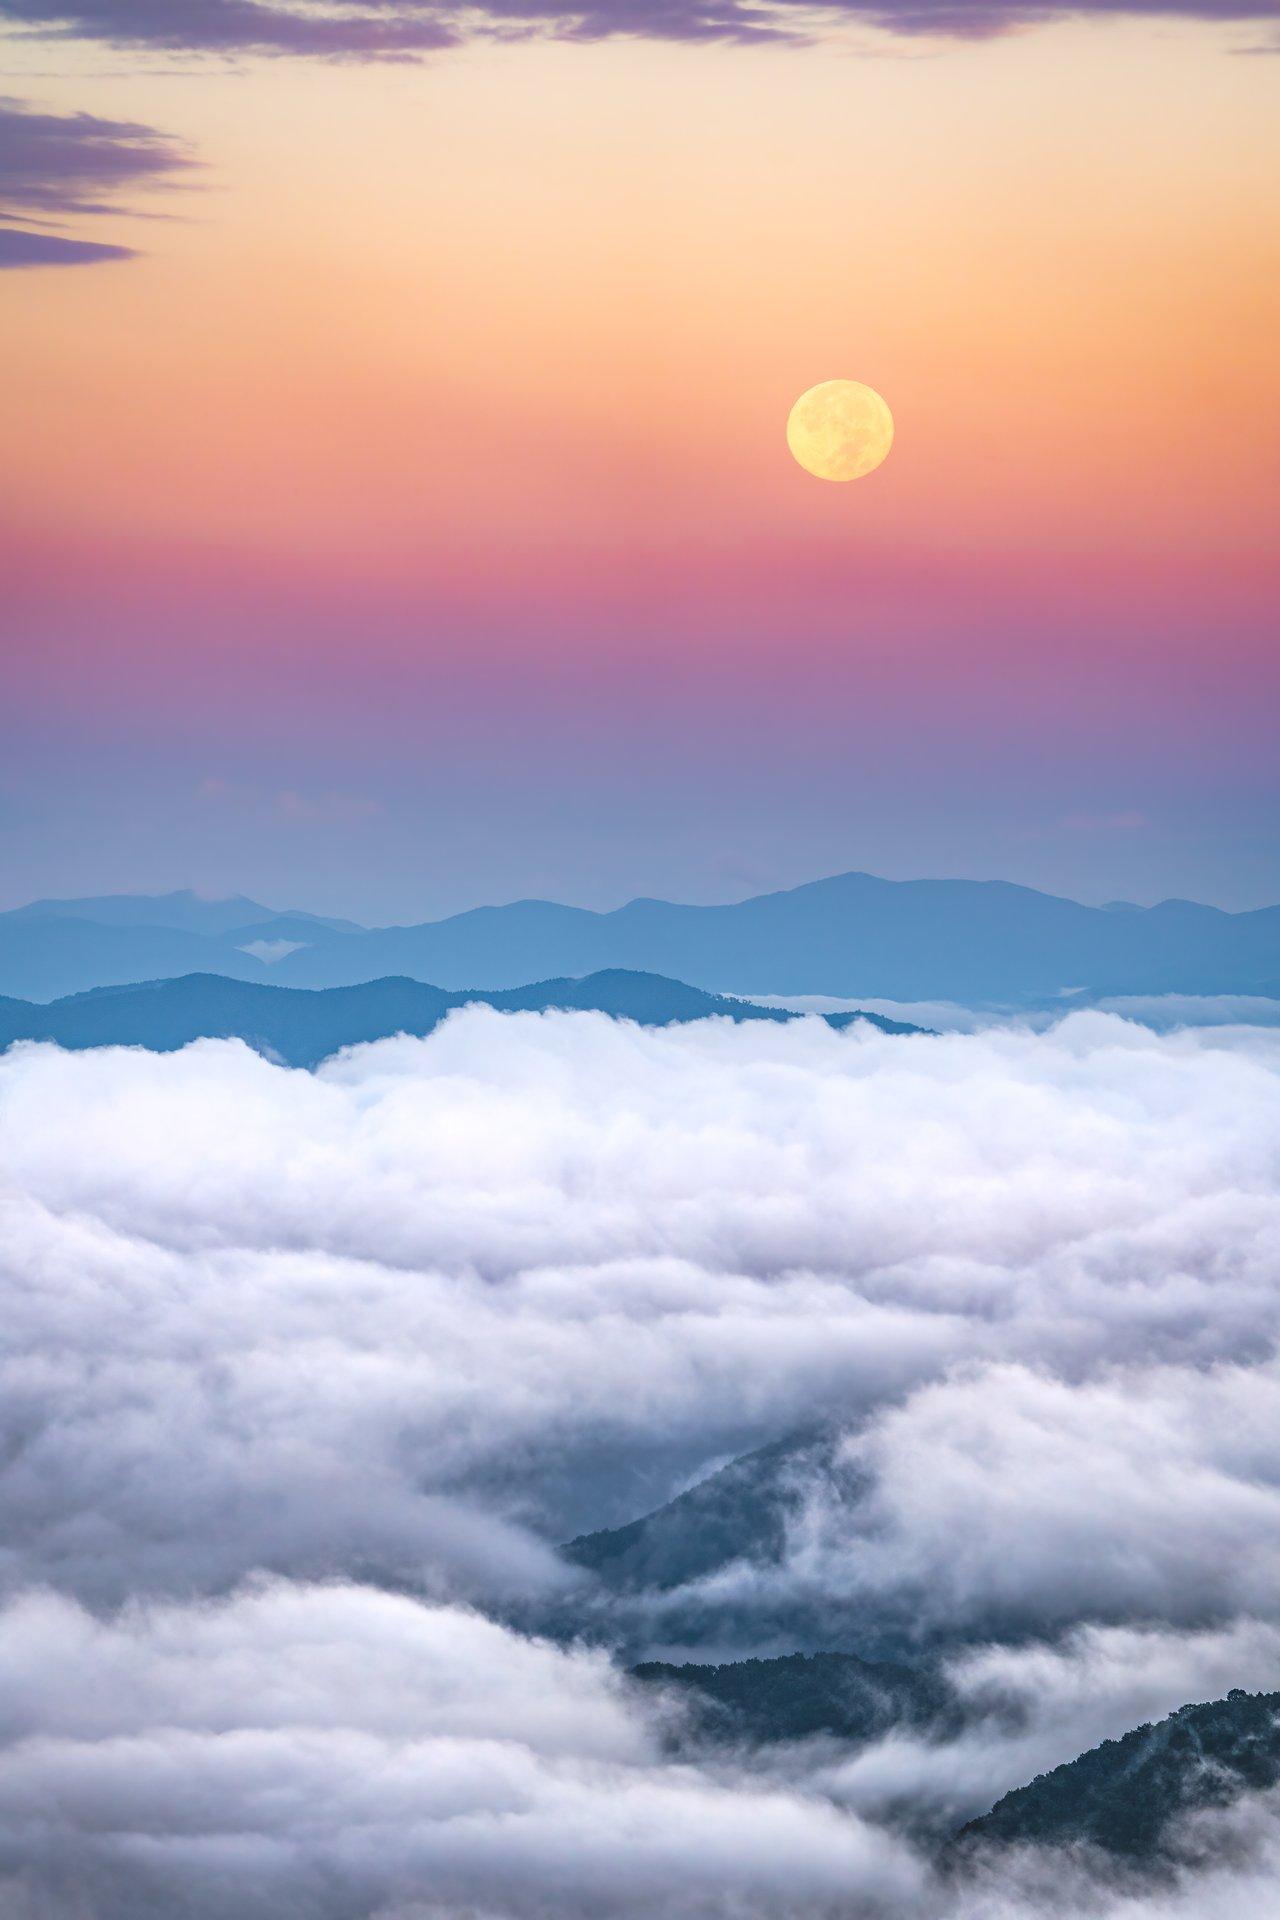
pixel 802 1696
pixel 303 1027
pixel 708 1569
pixel 853 936
pixel 1125 1795
pixel 740 1512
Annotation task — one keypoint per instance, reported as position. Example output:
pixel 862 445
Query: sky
pixel 397 513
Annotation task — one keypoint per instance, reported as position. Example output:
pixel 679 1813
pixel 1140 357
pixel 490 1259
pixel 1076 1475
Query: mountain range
pixel 303 1026
pixel 852 936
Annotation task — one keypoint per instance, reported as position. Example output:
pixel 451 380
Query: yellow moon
pixel 840 430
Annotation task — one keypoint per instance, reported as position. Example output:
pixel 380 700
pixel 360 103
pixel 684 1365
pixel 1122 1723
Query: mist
pixel 306 1377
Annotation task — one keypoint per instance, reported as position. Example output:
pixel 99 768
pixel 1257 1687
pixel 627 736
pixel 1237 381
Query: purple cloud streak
pixel 57 164
pixel 391 29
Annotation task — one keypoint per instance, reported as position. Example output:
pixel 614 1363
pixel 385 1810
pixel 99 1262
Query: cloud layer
pixel 305 1374
pixel 331 1751
pixel 526 1275
pixel 334 1751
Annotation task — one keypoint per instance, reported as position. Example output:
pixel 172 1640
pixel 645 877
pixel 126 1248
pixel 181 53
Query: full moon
pixel 840 430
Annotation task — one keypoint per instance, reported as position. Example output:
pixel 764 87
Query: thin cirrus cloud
pixel 58 166
pixel 405 29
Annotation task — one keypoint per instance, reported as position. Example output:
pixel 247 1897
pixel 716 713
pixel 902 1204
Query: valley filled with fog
pixel 311 1379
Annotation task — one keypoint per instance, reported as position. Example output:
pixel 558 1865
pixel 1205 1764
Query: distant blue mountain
pixel 303 1026
pixel 182 912
pixel 44 958
pixel 977 942
pixel 854 936
pixel 57 947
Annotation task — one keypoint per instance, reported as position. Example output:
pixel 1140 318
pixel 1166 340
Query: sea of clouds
pixel 305 1375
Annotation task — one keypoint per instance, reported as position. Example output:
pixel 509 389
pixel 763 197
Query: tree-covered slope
pixel 739 1512
pixel 799 1696
pixel 1125 1795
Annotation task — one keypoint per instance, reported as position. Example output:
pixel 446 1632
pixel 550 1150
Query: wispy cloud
pixel 58 166
pixel 327 806
pixel 362 28
pixel 22 247
pixel 404 29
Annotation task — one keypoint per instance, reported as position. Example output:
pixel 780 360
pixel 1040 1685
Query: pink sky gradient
pixel 430 462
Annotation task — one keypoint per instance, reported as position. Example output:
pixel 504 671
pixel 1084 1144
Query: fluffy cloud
pixel 1032 1707
pixel 328 1752
pixel 528 1275
pixel 334 1751
pixel 297 1364
pixel 1006 1501
pixel 1237 1881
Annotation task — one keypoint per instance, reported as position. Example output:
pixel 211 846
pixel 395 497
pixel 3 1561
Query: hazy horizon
pixel 336 908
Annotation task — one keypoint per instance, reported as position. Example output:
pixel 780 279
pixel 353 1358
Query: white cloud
pixel 1033 1707
pixel 325 1750
pixel 269 951
pixel 405 1322
pixel 1163 1012
pixel 334 1751
pixel 541 1267
pixel 1236 1881
pixel 1005 1497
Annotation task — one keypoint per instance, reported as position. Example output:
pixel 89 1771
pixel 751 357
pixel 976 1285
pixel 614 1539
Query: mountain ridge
pixel 852 935
pixel 303 1026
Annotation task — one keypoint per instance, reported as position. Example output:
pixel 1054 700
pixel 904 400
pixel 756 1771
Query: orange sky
pixel 556 297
